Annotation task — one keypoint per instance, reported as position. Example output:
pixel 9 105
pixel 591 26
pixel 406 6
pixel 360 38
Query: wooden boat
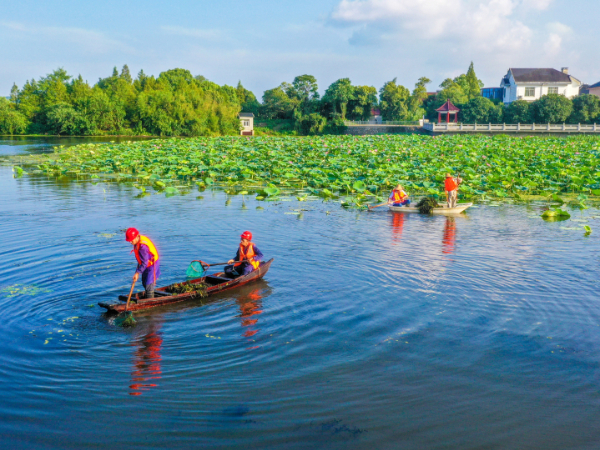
pixel 460 207
pixel 216 282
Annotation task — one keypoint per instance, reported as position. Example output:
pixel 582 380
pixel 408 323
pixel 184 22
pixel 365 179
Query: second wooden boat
pixel 439 210
pixel 216 283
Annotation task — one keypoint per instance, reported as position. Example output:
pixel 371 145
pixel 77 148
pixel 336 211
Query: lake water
pixel 371 330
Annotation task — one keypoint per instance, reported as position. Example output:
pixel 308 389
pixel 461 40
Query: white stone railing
pixel 350 123
pixel 536 127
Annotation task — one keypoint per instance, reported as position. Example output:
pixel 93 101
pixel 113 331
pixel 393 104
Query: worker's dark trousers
pixel 150 290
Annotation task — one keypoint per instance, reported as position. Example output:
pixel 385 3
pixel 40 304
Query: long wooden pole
pixel 129 298
pixel 377 206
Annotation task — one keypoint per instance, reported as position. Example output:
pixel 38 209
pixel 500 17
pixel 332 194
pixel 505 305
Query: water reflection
pixel 449 238
pixel 397 226
pixel 146 360
pixel 250 306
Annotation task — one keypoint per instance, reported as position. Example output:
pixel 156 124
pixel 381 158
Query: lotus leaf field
pixel 355 170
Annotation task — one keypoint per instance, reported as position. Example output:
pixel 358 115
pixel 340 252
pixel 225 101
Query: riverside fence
pixel 519 127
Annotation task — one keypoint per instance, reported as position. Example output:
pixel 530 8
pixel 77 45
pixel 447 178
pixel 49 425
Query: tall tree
pixel 338 94
pixel 418 96
pixel 277 104
pixel 473 84
pixel 393 101
pixel 247 99
pixel 14 93
pixel 306 90
pixel 363 101
pixel 125 75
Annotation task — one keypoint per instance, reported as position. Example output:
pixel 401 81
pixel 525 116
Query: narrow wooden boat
pixel 216 282
pixel 460 207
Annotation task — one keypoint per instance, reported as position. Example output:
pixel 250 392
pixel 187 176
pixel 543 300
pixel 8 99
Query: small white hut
pixel 247 124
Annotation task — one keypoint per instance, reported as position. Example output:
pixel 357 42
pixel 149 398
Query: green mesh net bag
pixel 195 270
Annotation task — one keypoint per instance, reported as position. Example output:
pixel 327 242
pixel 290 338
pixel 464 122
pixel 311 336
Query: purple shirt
pixel 149 274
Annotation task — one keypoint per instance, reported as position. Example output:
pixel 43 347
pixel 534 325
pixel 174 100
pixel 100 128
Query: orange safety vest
pixel 450 184
pixel 144 240
pixel 399 196
pixel 248 254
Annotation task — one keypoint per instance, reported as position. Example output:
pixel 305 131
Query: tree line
pixel 174 104
pixel 179 104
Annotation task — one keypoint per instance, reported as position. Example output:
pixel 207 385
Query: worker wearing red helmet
pixel 248 252
pixel 147 258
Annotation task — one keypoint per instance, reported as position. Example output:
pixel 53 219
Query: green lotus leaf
pixel 272 191
pixel 359 186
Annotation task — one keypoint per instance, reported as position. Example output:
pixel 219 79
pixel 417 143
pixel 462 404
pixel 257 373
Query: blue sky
pixel 265 42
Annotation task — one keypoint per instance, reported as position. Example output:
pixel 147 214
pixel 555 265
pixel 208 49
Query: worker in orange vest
pixel 147 258
pixel 398 197
pixel 248 255
pixel 451 186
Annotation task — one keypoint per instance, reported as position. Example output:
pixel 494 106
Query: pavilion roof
pixel 448 107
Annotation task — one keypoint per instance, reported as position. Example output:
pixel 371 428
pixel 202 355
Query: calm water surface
pixel 370 331
pixel 23 145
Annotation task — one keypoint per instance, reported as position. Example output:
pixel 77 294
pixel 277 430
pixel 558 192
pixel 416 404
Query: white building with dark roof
pixel 531 84
pixel 246 124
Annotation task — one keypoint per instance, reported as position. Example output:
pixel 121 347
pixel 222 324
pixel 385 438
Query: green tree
pixel 11 121
pixel 125 74
pixel 518 112
pixel 418 96
pixel 363 101
pixel 176 77
pixel 335 125
pixel 306 90
pixel 453 90
pixel 310 124
pixel 394 101
pixel 247 99
pixel 481 110
pixel 14 93
pixel 551 108
pixel 472 85
pixel 277 104
pixel 586 109
pixel 337 95
pixel 62 118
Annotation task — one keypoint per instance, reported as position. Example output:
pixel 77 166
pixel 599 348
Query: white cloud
pixel 537 4
pixel 481 23
pixel 557 34
pixel 559 28
pixel 553 44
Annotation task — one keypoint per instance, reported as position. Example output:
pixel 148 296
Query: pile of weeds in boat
pixel 426 205
pixel 351 169
pixel 197 290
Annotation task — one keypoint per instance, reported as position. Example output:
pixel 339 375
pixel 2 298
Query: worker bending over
pixel 147 258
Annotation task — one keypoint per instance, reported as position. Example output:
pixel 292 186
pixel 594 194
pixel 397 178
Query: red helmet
pixel 131 234
pixel 246 235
